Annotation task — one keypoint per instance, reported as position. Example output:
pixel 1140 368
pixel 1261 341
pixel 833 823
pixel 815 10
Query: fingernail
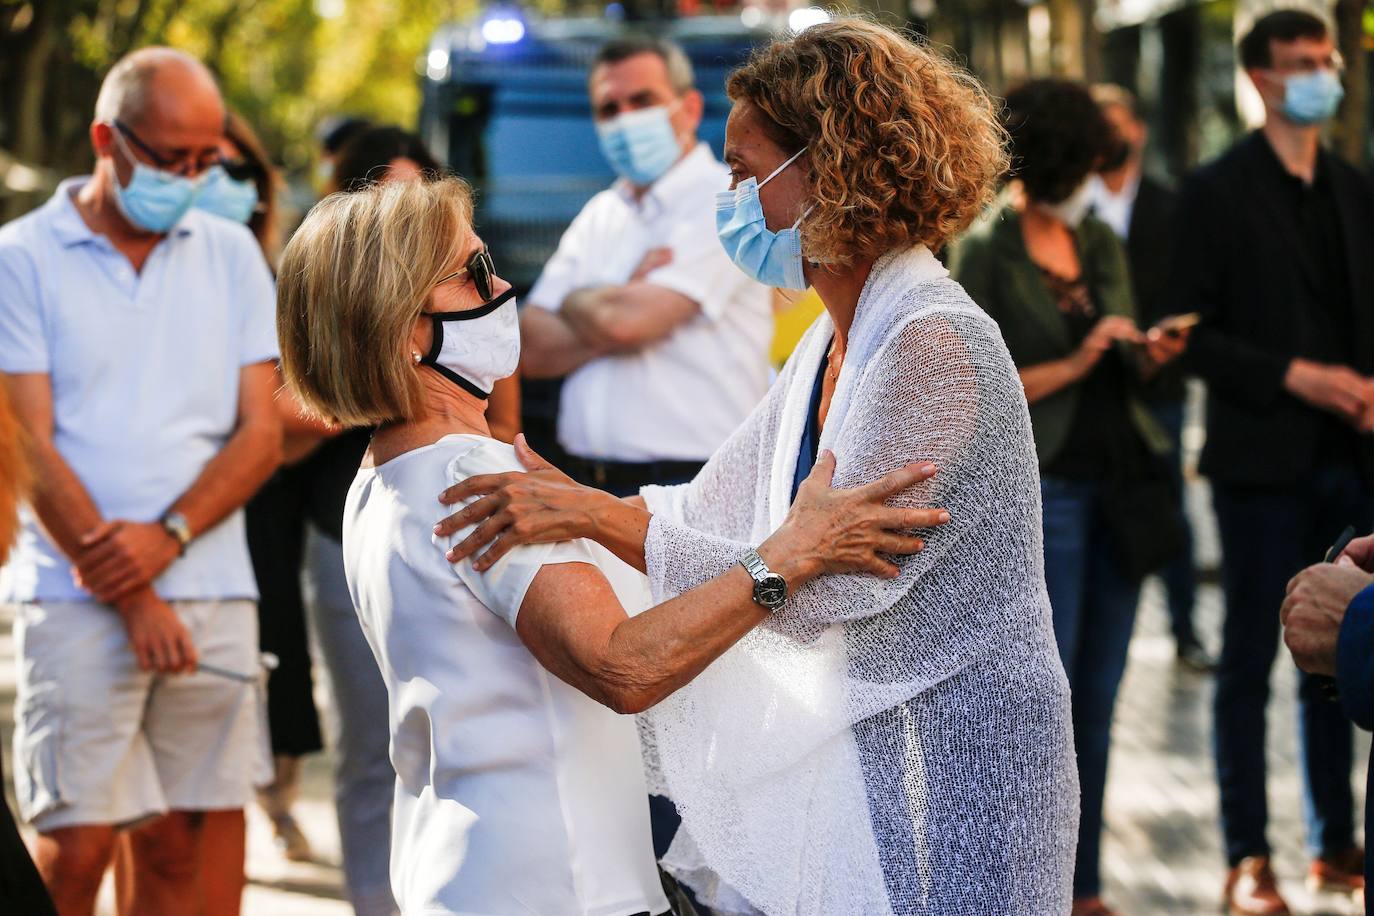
pixel 928 468
pixel 439 528
pixel 451 556
pixel 944 517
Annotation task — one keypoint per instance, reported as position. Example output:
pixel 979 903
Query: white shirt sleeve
pixel 258 300
pixel 565 271
pixel 700 269
pixel 23 344
pixel 502 588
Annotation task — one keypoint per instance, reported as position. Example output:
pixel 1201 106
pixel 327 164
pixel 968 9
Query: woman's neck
pixel 447 410
pixel 1049 242
pixel 839 290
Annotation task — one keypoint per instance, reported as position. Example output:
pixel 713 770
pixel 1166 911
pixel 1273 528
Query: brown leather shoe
pixel 1339 874
pixel 1252 889
pixel 1090 906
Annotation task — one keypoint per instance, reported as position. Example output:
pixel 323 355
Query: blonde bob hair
pixel 904 147
pixel 352 283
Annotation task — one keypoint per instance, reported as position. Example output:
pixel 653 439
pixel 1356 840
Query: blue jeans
pixel 1180 577
pixel 1267 535
pixel 1094 612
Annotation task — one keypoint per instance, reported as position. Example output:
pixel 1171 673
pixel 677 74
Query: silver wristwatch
pixel 175 524
pixel 770 589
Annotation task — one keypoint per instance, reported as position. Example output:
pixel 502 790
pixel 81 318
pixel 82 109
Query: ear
pixel 1259 79
pixel 102 139
pixel 421 337
pixel 694 106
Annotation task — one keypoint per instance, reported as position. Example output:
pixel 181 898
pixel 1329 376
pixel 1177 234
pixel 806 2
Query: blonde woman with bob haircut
pixel 890 744
pixel 519 784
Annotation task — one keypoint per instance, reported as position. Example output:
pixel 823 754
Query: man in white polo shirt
pixel 137 337
pixel 663 340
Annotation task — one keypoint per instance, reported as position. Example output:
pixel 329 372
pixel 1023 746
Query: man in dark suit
pixel 1140 209
pixel 1328 625
pixel 1274 243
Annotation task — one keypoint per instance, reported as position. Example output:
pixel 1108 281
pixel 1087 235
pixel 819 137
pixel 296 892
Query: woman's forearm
pixel 1044 379
pixel 621 526
pixel 652 655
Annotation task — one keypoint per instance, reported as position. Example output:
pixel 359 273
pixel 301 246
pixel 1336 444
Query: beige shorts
pixel 99 741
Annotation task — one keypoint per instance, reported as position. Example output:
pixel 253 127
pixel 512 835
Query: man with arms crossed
pixel 663 340
pixel 137 337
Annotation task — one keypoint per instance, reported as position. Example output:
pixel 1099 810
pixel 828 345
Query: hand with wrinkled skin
pixel 540 505
pixel 1361 552
pixel 855 530
pixel 828 530
pixel 1314 609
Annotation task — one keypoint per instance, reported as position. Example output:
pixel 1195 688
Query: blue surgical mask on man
pixel 640 145
pixel 1312 98
pixel 154 200
pixel 232 198
pixel 771 258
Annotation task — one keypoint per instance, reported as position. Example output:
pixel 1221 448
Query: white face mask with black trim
pixel 480 352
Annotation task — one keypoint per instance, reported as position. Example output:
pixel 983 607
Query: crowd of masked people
pixel 179 550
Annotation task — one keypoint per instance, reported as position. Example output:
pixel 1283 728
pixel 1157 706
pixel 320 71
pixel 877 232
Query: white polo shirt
pixel 145 377
pixel 677 399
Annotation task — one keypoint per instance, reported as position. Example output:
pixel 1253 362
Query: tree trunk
pixel 33 78
pixel 1352 124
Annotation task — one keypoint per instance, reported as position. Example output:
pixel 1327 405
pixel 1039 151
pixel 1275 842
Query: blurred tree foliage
pixel 284 64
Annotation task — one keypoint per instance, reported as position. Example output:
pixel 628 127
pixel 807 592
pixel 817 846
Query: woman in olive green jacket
pixel 1055 280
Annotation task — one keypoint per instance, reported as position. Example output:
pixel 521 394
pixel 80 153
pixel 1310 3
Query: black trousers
pixel 276 541
pixel 1268 534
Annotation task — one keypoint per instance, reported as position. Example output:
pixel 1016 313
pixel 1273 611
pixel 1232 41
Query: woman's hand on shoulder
pixel 539 505
pixel 855 530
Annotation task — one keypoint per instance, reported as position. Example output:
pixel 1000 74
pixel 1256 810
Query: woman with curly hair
pixel 895 740
pixel 1055 280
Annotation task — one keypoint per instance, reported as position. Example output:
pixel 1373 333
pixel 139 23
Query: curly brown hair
pixel 905 147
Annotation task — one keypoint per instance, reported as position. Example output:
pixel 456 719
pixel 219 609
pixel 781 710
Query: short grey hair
pixel 127 88
pixel 680 75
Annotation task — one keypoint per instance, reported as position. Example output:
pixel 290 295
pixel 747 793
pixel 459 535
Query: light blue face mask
pixel 1312 98
pixel 772 258
pixel 153 200
pixel 231 198
pixel 640 145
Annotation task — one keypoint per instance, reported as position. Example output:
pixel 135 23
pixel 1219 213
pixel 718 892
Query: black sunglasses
pixel 481 269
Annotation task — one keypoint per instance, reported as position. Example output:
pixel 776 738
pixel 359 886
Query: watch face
pixel 771 591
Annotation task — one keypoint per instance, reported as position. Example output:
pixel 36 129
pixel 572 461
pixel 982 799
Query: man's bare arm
pixel 549 347
pixel 629 317
pixel 67 513
pixel 64 507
